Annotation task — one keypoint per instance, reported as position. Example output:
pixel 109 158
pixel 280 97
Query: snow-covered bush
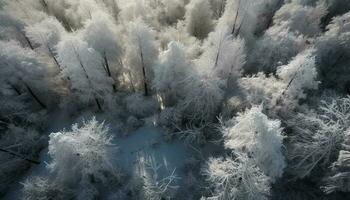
pixel 79 157
pixel 140 105
pixel 237 178
pixel 169 116
pixel 260 88
pixel 253 133
pixel 41 188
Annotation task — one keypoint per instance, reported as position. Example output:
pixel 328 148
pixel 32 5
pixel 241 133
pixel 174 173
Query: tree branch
pixel 19 156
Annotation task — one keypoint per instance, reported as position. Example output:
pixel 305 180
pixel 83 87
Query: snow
pixel 127 153
pixel 149 142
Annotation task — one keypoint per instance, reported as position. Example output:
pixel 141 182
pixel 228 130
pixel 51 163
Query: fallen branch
pixel 19 156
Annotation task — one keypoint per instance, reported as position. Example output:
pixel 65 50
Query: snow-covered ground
pixel 128 153
pixel 148 143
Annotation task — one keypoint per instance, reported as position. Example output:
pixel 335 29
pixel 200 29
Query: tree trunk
pixel 235 21
pixel 45 7
pixel 36 98
pixel 98 104
pixel 28 41
pixel 54 58
pixel 108 70
pixel 87 77
pixel 144 74
pixel 270 19
pixel 15 89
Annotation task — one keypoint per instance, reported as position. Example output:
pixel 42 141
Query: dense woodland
pixel 241 99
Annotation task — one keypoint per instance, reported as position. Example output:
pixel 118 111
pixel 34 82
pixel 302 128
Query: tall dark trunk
pixel 54 58
pixel 108 70
pixel 218 55
pixel 15 89
pixel 87 77
pixel 270 19
pixel 235 21
pixel 222 8
pixel 36 98
pixel 132 84
pixel 28 41
pixel 145 85
pixel 98 104
pixel 45 7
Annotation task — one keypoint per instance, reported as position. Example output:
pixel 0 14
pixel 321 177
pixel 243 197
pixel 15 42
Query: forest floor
pixel 127 152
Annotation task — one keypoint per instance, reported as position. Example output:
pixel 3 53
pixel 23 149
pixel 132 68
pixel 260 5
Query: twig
pixel 19 156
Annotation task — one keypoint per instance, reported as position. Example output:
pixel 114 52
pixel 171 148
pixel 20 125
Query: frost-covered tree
pixel 113 8
pixel 72 13
pixel 198 18
pixel 47 34
pixel 171 74
pixel 276 47
pixel 332 55
pixel 253 133
pixel 224 55
pixel 237 178
pixel 319 137
pixel 218 7
pixel 242 17
pixel 203 98
pixel 141 54
pixel 82 65
pixel 80 158
pixel 192 45
pixel 235 15
pixel 22 72
pixel 13 29
pixel 155 13
pixel 305 20
pixel 26 11
pixel 290 85
pixel 172 11
pixel 299 75
pixel 100 34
